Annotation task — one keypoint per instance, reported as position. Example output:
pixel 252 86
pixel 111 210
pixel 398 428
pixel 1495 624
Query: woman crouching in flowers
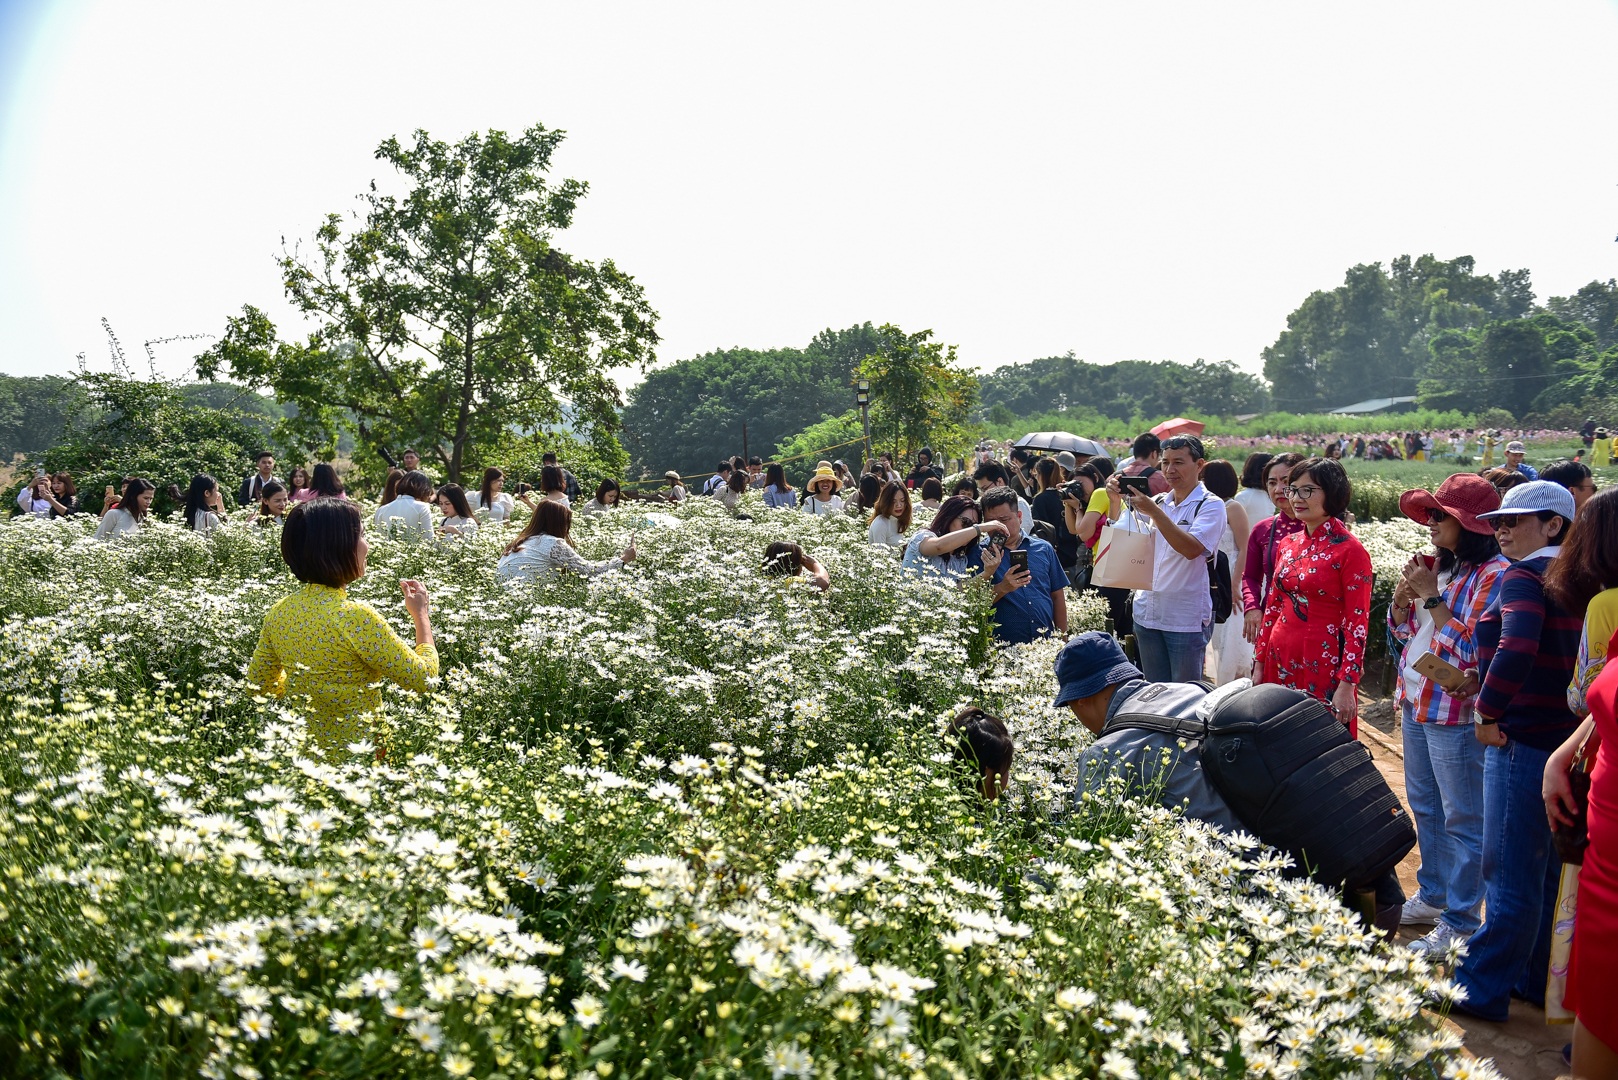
pixel 980 741
pixel 545 546
pixel 786 559
pixel 320 645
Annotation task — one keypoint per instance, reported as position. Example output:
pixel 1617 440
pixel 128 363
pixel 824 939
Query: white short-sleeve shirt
pixel 1179 601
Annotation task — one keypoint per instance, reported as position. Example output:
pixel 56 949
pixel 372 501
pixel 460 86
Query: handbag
pixel 1572 840
pixel 1123 559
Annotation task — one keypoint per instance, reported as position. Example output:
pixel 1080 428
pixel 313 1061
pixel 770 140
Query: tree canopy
pixel 920 394
pixel 1121 391
pixel 446 317
pixel 690 414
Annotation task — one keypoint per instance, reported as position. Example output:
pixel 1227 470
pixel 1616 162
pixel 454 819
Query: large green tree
pixel 920 395
pixel 688 415
pixel 446 316
pixel 1372 336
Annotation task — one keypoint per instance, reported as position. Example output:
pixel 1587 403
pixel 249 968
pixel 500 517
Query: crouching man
pixel 1101 686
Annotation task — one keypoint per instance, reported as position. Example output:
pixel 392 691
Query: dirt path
pixel 1524 1047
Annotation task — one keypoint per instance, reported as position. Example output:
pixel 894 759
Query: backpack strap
pixel 1163 725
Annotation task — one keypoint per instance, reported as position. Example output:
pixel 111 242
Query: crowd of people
pixel 1501 631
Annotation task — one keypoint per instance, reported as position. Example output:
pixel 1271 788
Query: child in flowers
pixel 320 645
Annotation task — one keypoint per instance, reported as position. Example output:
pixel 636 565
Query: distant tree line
pixel 1129 388
pixel 1450 337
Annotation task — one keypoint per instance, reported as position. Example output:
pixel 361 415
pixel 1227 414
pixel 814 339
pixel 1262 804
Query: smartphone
pixel 1140 485
pixel 1019 559
pixel 1441 672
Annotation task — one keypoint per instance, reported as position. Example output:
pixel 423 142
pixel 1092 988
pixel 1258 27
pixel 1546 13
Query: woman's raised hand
pixel 415 598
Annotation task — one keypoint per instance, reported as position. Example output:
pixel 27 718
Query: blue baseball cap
pixel 1534 497
pixel 1088 664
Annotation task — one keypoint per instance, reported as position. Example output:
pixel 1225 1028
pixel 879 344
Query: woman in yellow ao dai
pixel 320 646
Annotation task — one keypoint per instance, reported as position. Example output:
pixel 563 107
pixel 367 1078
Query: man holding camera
pixel 1174 618
pixel 1030 598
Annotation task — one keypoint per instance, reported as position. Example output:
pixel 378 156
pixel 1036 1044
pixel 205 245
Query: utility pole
pixel 862 397
pixel 744 442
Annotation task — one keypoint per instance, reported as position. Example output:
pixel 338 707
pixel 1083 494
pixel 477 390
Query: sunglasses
pixel 1436 517
pixel 1507 521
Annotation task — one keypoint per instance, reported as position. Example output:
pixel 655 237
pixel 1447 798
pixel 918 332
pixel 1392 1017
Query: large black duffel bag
pixel 1290 772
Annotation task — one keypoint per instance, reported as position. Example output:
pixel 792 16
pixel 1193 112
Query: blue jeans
pixel 1444 785
pixel 1511 951
pixel 1168 656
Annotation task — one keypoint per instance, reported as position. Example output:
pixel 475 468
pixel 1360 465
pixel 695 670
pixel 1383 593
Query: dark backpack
pixel 1290 772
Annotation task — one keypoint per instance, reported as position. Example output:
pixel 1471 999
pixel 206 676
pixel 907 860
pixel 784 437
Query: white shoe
pixel 1436 944
pixel 1417 910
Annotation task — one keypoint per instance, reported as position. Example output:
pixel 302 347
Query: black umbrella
pixel 1061 440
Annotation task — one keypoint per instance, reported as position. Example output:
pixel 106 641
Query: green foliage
pixel 920 395
pixel 1123 391
pixel 519 457
pixel 1369 337
pixel 447 317
pixel 690 414
pixel 36 412
pixel 1279 425
pixel 828 439
pixel 149 429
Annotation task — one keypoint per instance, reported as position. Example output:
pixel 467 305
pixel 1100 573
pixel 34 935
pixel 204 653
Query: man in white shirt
pixel 718 480
pixel 1174 618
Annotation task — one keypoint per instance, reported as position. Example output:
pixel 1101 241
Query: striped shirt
pixel 1526 645
pixel 1467 596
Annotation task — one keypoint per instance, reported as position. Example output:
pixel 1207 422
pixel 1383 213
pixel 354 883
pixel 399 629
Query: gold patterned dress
pixel 320 646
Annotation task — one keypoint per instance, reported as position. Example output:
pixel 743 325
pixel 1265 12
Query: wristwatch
pixel 977 530
pixel 1432 602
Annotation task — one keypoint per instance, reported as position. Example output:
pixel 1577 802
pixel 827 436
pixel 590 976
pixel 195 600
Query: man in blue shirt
pixel 1514 460
pixel 1027 603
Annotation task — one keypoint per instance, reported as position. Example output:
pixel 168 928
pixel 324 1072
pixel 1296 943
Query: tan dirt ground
pixel 1524 1047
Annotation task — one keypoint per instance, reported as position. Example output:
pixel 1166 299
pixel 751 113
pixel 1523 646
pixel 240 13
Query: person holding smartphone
pixel 1029 588
pixel 1174 618
pixel 1434 615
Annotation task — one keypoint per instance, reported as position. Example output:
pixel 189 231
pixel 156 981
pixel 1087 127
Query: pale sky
pixel 1126 180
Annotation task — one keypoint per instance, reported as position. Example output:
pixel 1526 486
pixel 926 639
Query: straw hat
pixel 672 475
pixel 824 473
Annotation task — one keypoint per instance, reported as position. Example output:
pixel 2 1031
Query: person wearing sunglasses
pixel 1316 617
pixel 1526 644
pixel 1435 611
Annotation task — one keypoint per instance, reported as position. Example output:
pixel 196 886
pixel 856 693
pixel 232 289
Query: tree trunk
pixel 463 422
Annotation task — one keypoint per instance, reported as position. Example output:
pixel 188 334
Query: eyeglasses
pixel 1436 517
pixel 1305 492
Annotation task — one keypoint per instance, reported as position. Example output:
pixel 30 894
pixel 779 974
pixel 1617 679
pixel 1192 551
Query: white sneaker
pixel 1437 942
pixel 1417 910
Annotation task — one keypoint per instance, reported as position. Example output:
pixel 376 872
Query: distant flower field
pixel 681 820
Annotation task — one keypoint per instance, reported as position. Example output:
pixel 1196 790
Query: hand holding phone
pixel 1135 485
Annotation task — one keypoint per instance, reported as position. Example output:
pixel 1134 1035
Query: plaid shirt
pixel 1467 597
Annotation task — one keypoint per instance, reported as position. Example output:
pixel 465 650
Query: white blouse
pixel 542 556
pixel 885 530
pixel 463 527
pixel 406 516
pixel 206 522
pixel 500 506
pixel 116 523
pixel 813 505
